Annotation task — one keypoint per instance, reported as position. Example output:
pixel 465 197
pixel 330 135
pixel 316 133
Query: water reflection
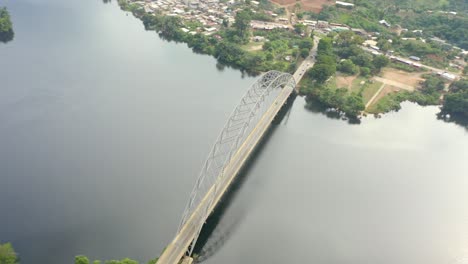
pixel 456 119
pixel 6 37
pixel 315 106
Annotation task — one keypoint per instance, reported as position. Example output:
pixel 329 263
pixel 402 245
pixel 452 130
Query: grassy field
pixel 369 91
pixel 253 46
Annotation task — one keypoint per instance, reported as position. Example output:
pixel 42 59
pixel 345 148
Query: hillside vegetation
pixel 432 17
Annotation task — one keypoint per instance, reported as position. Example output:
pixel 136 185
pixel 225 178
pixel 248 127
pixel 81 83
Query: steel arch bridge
pixel 239 136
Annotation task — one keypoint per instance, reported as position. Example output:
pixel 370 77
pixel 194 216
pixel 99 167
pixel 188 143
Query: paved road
pixel 307 63
pixel 177 248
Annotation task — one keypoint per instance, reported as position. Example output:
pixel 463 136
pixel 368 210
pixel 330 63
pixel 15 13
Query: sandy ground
pixel 394 83
pixel 310 5
pixel 406 78
pixel 345 81
pixel 255 47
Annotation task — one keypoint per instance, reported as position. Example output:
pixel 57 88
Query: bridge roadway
pixel 175 251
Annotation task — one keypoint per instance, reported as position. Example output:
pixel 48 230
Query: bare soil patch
pixel 308 5
pixel 343 81
pixel 408 78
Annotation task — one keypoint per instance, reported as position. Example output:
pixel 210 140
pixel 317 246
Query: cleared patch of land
pixel 308 5
pixel 370 91
pixel 388 89
pixel 253 46
pixel 408 79
pixel 358 84
pixel 345 81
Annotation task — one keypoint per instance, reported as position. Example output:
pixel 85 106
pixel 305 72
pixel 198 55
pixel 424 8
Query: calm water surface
pixel 104 127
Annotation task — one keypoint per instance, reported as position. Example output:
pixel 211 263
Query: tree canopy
pixel 8 254
pixel 456 102
pixel 6 26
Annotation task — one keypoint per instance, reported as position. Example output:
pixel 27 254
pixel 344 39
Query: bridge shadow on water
pixel 228 214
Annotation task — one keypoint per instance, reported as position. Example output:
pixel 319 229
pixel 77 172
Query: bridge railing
pixel 240 124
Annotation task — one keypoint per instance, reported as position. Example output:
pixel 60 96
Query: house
pixel 359 31
pixel 258 38
pixel 344 4
pixel 449 76
pixel 385 23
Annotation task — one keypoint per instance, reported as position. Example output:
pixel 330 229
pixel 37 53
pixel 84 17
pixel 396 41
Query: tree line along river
pixel 104 127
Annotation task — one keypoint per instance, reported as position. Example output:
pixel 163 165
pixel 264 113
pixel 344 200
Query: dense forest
pixel 6 27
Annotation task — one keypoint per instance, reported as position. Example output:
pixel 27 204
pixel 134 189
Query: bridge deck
pixel 176 249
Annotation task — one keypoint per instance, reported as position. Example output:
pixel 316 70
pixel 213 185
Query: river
pixel 104 128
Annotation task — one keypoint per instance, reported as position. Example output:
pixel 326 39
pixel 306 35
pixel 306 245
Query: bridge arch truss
pixel 261 95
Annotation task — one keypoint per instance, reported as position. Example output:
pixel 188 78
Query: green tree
pixel 304 53
pixel 380 61
pixel 6 26
pixel 81 260
pixel 306 44
pixel 347 66
pixel 384 45
pixel 8 254
pixel 300 28
pixel 362 59
pixel 456 103
pixel 321 72
pixel 365 71
pixel 354 105
pixel 242 24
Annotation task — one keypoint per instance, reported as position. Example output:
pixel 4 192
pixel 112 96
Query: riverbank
pixel 233 44
pixel 6 26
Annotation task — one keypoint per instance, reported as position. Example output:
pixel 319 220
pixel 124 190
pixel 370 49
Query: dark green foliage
pixel 379 62
pixel 325 67
pixel 456 102
pixel 304 53
pixel 8 254
pixel 433 85
pixel 300 28
pixel 321 72
pixel 242 25
pixel 365 71
pixel 363 59
pixel 81 260
pixel 348 67
pixel 6 26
